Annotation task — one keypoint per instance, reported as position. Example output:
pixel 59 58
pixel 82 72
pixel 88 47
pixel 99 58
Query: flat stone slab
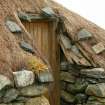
pixel 31 91
pixel 21 99
pixel 47 11
pixel 84 34
pixel 38 101
pixel 94 103
pixel 27 47
pixel 45 76
pixel 64 66
pixel 66 42
pixel 5 104
pixel 77 87
pixel 17 103
pixel 13 27
pixel 67 97
pixel 97 90
pixel 93 98
pixel 10 95
pixel 76 51
pixel 24 16
pixel 67 77
pixel 98 48
pixel 63 85
pixel 4 81
pixel 23 78
pixel 80 98
pixel 13 104
pixel 98 73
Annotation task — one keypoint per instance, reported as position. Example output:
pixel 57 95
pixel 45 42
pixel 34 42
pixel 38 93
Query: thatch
pixel 12 57
pixel 73 23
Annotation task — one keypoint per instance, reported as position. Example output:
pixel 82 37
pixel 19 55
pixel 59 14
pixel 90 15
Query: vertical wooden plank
pixel 46 41
pixel 55 64
pixel 36 36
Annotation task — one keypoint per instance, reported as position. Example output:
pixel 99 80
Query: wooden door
pixel 46 41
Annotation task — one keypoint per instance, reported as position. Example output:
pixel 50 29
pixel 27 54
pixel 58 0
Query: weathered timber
pixel 98 48
pixel 48 11
pixel 33 17
pixel 73 54
pixel 73 23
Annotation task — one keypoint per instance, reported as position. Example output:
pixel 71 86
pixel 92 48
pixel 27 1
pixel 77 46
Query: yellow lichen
pixel 36 64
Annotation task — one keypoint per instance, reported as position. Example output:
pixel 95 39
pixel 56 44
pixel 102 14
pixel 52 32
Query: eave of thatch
pixel 12 57
pixel 73 23
pixel 11 53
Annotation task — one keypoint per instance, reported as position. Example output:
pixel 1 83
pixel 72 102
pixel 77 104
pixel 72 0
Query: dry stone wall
pixel 24 90
pixel 81 85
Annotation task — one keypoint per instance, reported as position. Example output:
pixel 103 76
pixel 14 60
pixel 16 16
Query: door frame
pixel 55 100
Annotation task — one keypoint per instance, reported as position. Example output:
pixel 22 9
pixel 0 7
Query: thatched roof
pixel 73 23
pixel 12 57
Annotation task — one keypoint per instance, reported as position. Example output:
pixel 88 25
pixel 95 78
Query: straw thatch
pixel 73 23
pixel 12 57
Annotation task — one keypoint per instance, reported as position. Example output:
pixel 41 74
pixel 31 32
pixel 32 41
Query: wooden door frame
pixel 56 74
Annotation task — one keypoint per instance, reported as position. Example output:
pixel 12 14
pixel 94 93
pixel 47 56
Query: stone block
pixel 76 51
pixel 21 99
pixel 33 91
pixel 13 27
pixel 5 104
pixel 98 73
pixel 77 88
pixel 81 98
pixel 64 66
pixel 67 97
pixel 63 85
pixel 97 90
pixel 10 95
pixel 67 77
pixel 47 11
pixel 45 76
pixel 84 34
pixel 66 42
pixel 27 47
pixel 17 103
pixel 94 103
pixel 4 82
pixel 93 98
pixel 98 48
pixel 23 78
pixel 38 101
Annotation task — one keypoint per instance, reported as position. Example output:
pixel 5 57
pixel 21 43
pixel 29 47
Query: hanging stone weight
pixel 84 34
pixel 45 76
pixel 27 47
pixel 13 27
pixel 98 48
pixel 47 11
pixel 24 16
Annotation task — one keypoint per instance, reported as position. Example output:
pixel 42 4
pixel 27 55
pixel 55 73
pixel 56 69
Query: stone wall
pixel 82 85
pixel 26 88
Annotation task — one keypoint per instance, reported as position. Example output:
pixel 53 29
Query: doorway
pixel 46 42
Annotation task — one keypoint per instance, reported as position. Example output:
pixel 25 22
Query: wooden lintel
pixel 34 17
